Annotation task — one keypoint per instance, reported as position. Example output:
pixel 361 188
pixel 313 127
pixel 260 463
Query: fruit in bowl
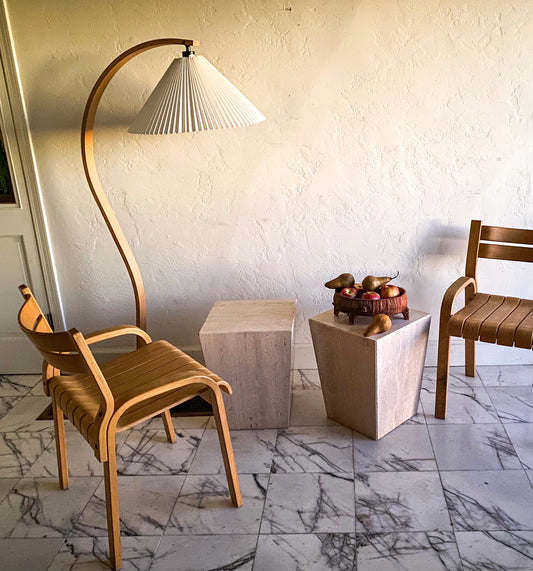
pixel 349 292
pixel 368 298
pixel 341 282
pixel 360 289
pixel 370 295
pixel 389 290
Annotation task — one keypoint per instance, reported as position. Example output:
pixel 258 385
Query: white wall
pixel 389 126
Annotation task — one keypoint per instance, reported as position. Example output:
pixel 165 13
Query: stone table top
pixel 362 322
pixel 250 315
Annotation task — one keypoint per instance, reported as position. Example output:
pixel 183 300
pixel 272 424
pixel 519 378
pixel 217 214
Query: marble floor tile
pixel 308 409
pixel 204 506
pixel 22 417
pixel 7 403
pixel 407 448
pixel 313 449
pixel 145 504
pixel 309 552
pixel 37 507
pixel 34 554
pixel 429 551
pixel 473 447
pixel 457 378
pixel 20 450
pixel 38 389
pixel 506 376
pixel 92 554
pixel 17 385
pixel 202 552
pixel 467 405
pixel 400 501
pixel 6 485
pixel 81 460
pixel 418 417
pixel 489 500
pixel 521 436
pixel 253 450
pixel 496 550
pixel 148 452
pixel 309 503
pixel 305 379
pixel 304 507
pixel 514 404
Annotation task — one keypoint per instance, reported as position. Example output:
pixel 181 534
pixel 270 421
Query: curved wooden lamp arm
pixel 89 166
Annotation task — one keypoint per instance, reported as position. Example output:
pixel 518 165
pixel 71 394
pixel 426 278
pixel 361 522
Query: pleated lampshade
pixel 194 96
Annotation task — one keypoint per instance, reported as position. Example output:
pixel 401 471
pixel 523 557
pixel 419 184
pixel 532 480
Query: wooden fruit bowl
pixel 389 306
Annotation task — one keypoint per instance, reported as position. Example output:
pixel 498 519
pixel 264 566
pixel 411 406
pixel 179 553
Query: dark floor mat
pixel 47 414
pixel 193 407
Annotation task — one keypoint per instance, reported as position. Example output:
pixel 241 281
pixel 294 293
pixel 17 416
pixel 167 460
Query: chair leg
pixel 111 500
pixel 169 427
pixel 470 358
pixel 219 412
pixel 443 371
pixel 61 448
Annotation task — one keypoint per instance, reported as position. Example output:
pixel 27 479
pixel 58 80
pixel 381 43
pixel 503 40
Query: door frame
pixel 18 140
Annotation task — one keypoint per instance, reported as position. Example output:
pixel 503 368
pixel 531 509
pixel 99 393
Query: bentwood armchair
pixel 485 317
pixel 102 400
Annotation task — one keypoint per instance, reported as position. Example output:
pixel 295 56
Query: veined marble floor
pixel 431 495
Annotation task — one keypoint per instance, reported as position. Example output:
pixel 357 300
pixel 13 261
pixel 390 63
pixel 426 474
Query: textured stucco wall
pixel 390 125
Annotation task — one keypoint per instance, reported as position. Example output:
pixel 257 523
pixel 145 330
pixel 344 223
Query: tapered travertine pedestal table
pixel 249 344
pixel 371 384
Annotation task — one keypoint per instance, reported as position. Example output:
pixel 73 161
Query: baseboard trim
pixel 304 355
pixel 486 354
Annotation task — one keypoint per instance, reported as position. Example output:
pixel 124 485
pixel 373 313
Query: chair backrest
pixel 497 243
pixel 58 349
pixel 67 351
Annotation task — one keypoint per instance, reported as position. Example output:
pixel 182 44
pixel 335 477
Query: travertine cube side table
pixel 249 344
pixel 371 384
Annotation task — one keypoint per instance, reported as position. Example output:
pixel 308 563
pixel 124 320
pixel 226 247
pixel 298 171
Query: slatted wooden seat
pixel 484 317
pixel 103 400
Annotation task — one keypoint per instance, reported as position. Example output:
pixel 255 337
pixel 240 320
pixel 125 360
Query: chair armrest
pixel 451 294
pixel 103 334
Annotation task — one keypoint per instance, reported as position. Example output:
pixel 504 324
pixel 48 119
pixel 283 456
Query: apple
pixel 359 288
pixel 389 290
pixel 348 292
pixel 370 295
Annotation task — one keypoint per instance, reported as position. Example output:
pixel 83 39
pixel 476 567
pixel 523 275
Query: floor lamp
pixel 191 96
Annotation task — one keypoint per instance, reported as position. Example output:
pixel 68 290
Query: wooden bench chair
pixel 102 400
pixel 485 317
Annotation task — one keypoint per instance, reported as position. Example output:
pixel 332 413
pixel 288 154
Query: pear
pixel 344 280
pixel 379 324
pixel 373 283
